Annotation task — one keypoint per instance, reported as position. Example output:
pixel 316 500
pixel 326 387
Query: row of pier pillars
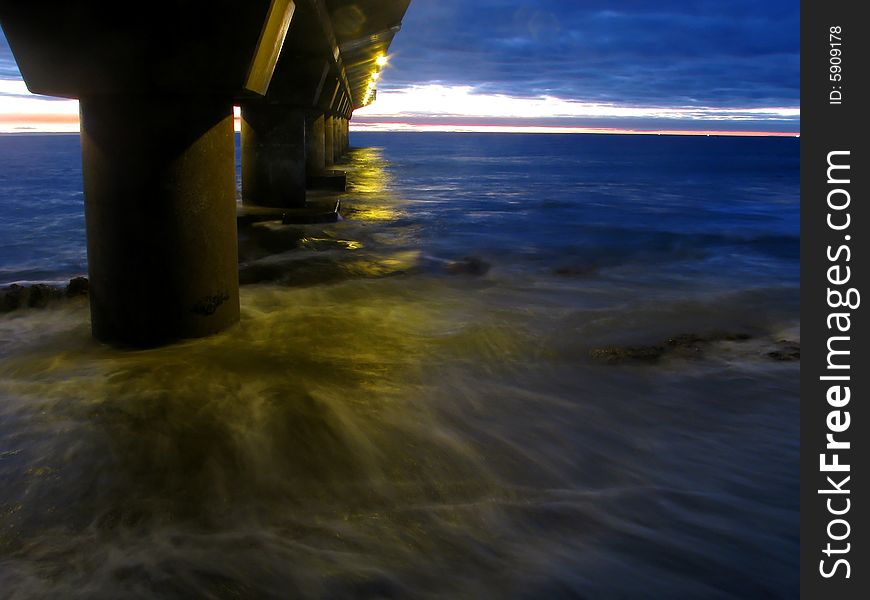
pixel 285 151
pixel 156 99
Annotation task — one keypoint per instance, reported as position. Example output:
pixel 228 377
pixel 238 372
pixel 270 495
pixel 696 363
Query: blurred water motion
pixel 408 407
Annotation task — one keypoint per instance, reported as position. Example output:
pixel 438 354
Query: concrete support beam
pixel 81 48
pixel 161 217
pixel 273 155
pixel 314 145
pixel 329 140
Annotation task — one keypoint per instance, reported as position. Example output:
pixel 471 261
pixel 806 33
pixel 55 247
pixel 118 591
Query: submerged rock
pixel 691 345
pixel 470 265
pixel 685 345
pixel 78 286
pixel 618 354
pixel 786 351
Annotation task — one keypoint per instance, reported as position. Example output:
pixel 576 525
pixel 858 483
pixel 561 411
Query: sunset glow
pixel 399 126
pixel 462 109
pixel 437 100
pixel 21 111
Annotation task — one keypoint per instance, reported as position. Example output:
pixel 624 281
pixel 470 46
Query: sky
pixel 665 66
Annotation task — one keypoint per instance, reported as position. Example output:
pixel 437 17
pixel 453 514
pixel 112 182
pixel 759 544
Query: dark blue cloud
pixel 720 53
pixel 668 52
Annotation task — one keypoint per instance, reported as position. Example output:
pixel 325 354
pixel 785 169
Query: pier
pixel 156 101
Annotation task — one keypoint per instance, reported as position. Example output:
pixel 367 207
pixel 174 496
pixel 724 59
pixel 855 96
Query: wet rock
pixel 786 351
pixel 40 294
pixel 691 339
pixel 470 265
pixel 260 273
pixel 686 345
pixel 619 354
pixel 266 239
pixel 577 270
pixel 15 296
pixel 690 345
pixel 78 286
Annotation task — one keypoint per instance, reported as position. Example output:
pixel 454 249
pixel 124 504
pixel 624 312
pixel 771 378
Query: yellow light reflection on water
pixel 318 241
pixel 371 182
pixel 369 173
pixel 375 213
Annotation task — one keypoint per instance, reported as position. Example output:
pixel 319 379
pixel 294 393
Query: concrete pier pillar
pixel 329 140
pixel 161 217
pixel 346 134
pixel 273 155
pixel 314 145
pixel 338 146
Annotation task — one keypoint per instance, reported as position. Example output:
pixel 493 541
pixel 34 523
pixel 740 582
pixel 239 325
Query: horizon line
pixel 393 127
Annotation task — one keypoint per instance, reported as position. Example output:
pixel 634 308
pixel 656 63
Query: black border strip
pixel 834 120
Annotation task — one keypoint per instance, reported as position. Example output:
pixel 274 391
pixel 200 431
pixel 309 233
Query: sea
pixel 520 366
